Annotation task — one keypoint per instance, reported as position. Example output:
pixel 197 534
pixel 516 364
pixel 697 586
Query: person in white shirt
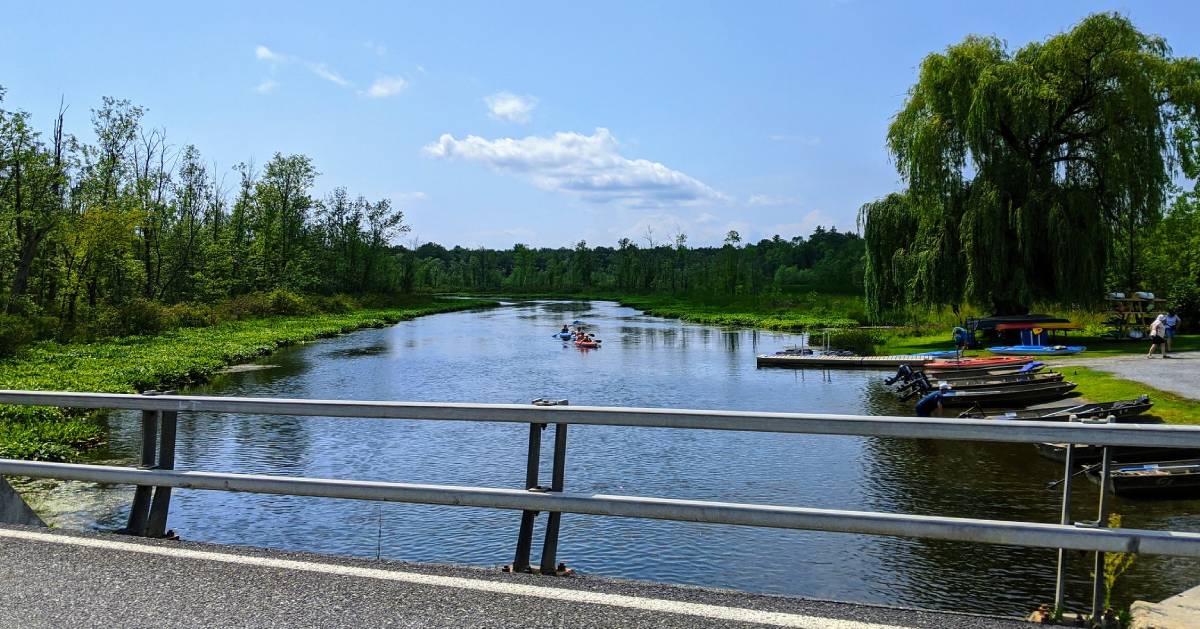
pixel 1172 322
pixel 1158 331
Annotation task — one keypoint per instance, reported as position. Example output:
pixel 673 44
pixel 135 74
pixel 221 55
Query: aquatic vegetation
pixel 172 359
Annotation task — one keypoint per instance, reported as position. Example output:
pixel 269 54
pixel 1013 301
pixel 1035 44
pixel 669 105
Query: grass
pixel 788 313
pixel 1101 386
pixel 171 359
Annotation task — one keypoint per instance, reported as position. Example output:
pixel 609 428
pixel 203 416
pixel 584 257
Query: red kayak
pixel 587 344
pixel 993 361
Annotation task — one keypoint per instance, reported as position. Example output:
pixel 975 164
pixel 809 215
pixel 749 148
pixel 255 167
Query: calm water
pixel 507 355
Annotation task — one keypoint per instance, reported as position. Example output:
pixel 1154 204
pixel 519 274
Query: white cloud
pixel 421 69
pixel 587 166
pixel 262 53
pixel 375 47
pixel 385 86
pixel 415 195
pixel 510 107
pixel 323 71
pixel 266 87
pixel 761 200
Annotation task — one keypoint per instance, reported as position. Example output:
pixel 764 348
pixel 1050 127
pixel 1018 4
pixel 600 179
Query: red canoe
pixel 994 361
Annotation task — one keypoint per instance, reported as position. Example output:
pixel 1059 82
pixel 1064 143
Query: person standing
pixel 1172 322
pixel 1158 332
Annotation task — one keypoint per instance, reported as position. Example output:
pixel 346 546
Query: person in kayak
pixel 566 329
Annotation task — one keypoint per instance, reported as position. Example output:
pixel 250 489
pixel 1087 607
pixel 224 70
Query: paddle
pixel 1084 469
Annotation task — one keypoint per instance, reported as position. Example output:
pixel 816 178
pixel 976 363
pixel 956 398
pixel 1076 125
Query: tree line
pixel 89 228
pixel 827 261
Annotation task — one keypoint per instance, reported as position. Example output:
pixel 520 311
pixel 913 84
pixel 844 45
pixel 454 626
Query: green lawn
pixel 172 359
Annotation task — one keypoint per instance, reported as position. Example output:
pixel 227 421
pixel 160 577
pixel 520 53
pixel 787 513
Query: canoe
pixel 1019 395
pixel 1087 454
pixel 1036 350
pixel 993 361
pixel 1153 479
pixel 1121 409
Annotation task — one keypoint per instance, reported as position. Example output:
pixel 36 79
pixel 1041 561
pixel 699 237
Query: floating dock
pixel 840 362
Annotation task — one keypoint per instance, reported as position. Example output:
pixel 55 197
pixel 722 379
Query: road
pixel 57 579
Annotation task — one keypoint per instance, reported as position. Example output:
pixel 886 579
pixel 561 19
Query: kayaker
pixel 566 329
pixel 1158 333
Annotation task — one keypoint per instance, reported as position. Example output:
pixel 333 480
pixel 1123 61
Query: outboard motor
pixel 903 373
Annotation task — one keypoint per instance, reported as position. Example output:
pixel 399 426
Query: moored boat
pixel 1121 409
pixel 1036 350
pixel 1019 395
pixel 1086 454
pixel 927 383
pixel 993 361
pixel 1152 479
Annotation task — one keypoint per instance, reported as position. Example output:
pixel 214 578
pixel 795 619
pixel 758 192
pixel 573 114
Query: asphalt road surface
pixel 59 579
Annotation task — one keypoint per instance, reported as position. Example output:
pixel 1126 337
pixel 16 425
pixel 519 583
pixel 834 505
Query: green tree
pixel 1024 169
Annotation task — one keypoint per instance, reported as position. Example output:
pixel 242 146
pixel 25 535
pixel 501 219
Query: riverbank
pixel 172 359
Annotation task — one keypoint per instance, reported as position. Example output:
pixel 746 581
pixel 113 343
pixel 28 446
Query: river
pixel 507 355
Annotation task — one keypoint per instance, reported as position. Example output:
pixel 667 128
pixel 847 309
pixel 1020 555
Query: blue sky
pixel 545 123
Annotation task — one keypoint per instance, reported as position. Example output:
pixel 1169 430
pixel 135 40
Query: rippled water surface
pixel 508 355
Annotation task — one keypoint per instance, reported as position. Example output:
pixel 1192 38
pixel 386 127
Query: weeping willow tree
pixel 1025 169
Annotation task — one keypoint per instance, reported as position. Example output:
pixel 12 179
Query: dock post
pixel 532 462
pixel 1060 575
pixel 161 503
pixel 1101 522
pixel 139 512
pixel 550 543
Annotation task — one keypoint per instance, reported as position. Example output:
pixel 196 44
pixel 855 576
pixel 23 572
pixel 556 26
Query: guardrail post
pixel 550 543
pixel 139 512
pixel 1101 522
pixel 1060 575
pixel 161 504
pixel 532 463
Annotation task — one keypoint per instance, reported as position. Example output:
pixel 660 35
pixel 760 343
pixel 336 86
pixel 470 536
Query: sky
pixel 541 123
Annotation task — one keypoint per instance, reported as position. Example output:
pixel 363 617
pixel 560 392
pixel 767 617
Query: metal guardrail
pixel 1150 435
pixel 151 501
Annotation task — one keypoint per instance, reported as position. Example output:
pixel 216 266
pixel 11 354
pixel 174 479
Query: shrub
pixel 138 316
pixel 14 332
pixel 245 307
pixel 859 341
pixel 190 316
pixel 283 302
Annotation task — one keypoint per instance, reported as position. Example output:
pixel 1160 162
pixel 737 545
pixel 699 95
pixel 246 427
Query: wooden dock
pixel 840 362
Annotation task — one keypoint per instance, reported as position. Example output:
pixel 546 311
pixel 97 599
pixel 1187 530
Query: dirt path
pixel 1179 374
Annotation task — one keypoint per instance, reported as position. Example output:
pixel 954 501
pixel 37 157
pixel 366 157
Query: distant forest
pixel 101 238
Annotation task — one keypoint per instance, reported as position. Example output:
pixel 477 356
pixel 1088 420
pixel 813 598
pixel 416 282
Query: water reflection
pixel 507 355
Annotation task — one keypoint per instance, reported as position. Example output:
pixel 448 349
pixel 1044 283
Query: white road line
pixel 717 612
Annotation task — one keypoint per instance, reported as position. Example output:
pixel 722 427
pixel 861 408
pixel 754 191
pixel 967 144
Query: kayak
pixel 994 361
pixel 566 336
pixel 1038 350
pixel 587 344
pixel 941 353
